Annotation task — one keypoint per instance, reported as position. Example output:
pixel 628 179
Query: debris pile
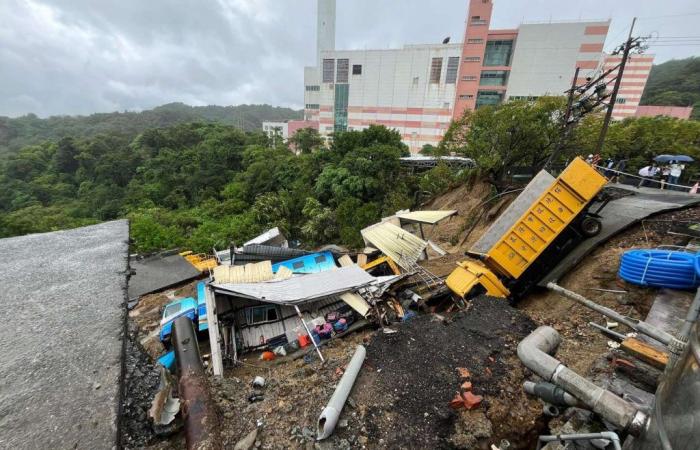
pixel 413 374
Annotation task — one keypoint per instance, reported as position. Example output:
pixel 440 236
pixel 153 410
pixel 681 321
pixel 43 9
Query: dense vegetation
pixel 203 185
pixel 200 185
pixel 31 130
pixel 675 83
pixel 521 133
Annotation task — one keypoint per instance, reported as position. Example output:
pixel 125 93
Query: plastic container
pixel 304 340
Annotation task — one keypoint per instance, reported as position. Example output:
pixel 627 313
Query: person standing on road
pixel 647 173
pixel 676 169
pixel 665 172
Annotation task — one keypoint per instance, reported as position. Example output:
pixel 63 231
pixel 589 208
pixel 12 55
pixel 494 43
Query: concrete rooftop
pixel 62 321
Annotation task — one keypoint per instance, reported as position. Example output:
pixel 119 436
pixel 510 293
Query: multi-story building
pixel 419 89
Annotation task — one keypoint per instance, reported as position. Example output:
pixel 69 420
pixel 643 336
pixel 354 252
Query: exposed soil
pixel 401 397
pixel 582 344
pixel 410 377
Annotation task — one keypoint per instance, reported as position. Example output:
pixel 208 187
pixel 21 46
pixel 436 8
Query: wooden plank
pixel 361 259
pixel 645 352
pixel 345 261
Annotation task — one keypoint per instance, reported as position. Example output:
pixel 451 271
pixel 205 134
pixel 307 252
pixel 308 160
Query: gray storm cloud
pixel 85 56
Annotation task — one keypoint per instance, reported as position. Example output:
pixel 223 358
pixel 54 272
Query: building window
pixel 312 106
pixel 261 314
pixel 484 98
pixel 343 68
pixel 340 120
pixel 523 97
pixel 320 259
pixel 469 78
pixel 466 97
pixel 328 70
pixel 498 53
pixel 435 70
pixel 357 69
pixel 477 20
pixel 494 78
pixel 452 69
pixel 475 41
pixel 314 88
pixel 415 81
pixel 472 58
pixel 298 265
pixel 620 100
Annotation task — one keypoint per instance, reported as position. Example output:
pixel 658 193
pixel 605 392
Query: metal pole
pixel 318 350
pixel 613 96
pixel 567 115
pixel 637 325
pixel 198 408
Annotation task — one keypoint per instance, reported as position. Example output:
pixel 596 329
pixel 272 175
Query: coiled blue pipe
pixel 660 268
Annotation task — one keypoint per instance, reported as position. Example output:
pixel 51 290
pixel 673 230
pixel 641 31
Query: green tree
pixel 306 140
pixel 515 133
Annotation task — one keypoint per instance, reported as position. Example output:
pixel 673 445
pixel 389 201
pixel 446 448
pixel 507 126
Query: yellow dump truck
pixel 549 218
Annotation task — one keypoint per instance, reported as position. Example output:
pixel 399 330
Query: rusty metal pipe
pixel 198 408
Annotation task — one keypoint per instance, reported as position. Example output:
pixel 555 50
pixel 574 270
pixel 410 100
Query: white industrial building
pixel 419 89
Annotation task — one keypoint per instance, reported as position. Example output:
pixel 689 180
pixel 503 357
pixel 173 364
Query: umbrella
pixel 679 158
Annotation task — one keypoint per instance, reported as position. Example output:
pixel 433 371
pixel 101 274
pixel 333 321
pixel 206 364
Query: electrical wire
pixel 660 268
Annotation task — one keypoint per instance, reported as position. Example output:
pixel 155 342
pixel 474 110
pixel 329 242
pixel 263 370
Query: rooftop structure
pixel 679 112
pixel 419 89
pixel 64 306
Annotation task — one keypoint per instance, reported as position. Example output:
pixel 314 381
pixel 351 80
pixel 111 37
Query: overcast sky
pixel 85 56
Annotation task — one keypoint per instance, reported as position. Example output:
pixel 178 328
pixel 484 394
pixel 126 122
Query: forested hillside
pixel 203 185
pixel 675 83
pixel 199 185
pixel 29 130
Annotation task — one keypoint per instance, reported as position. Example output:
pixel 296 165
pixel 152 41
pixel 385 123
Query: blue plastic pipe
pixel 660 268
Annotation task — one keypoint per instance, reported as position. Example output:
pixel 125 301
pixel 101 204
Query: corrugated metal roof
pixel 250 273
pixel 430 217
pixel 300 289
pixel 396 243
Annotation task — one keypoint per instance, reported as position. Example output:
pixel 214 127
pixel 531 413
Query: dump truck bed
pixel 568 196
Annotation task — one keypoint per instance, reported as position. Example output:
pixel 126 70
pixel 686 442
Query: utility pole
pixel 566 123
pixel 613 97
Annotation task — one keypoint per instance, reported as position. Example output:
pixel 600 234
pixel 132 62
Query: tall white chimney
pixel 325 27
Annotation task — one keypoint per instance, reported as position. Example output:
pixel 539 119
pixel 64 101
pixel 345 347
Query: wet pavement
pixel 61 339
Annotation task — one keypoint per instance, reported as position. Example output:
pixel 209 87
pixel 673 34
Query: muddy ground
pixel 401 397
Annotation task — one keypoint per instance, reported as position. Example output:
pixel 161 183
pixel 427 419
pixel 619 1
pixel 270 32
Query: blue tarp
pixel 202 307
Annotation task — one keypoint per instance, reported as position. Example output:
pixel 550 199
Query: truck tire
pixel 590 226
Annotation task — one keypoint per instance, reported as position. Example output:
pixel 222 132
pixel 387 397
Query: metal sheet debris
pixel 356 302
pixel 300 289
pixel 429 217
pixel 272 236
pixel 250 273
pixel 398 244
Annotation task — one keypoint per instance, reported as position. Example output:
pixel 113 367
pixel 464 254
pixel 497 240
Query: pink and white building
pixel 419 89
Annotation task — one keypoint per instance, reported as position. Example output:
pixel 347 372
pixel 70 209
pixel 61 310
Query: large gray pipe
pixel 637 325
pixel 198 407
pixel 331 413
pixel 534 351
